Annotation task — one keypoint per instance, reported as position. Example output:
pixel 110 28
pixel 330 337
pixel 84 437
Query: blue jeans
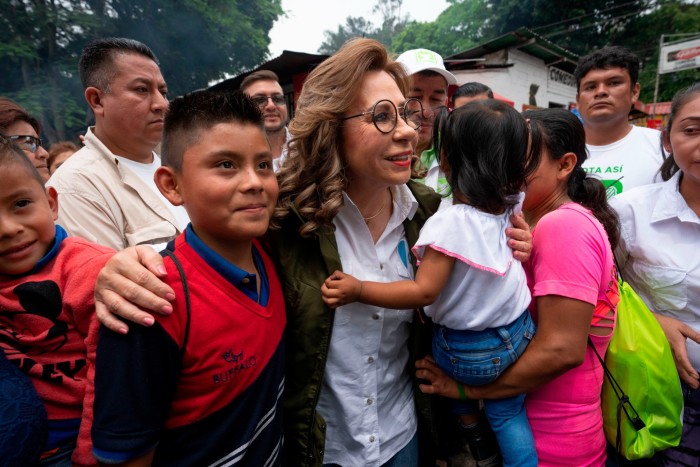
pixel 407 456
pixel 479 357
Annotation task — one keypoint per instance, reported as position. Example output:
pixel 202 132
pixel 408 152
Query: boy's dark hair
pixel 470 90
pixel 97 59
pixel 12 156
pixel 260 75
pixel 682 97
pixel 199 110
pixel 608 57
pixel 11 112
pixel 485 146
pixel 560 132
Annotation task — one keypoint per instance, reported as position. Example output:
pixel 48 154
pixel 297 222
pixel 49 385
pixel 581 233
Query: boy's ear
pixel 567 164
pixel 168 183
pixel 52 197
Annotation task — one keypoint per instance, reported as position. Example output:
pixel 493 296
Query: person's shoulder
pixel 427 198
pixel 648 135
pixel 642 194
pixel 75 252
pixel 86 163
pixel 563 220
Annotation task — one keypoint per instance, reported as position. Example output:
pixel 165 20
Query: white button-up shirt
pixel 659 252
pixel 366 398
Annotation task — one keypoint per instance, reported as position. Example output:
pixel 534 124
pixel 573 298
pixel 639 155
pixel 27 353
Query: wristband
pixel 460 388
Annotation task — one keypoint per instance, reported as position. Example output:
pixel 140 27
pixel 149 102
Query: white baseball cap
pixel 417 60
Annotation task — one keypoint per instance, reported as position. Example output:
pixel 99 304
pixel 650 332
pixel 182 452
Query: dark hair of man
pixel 559 132
pixel 11 112
pixel 260 75
pixel 682 97
pixel 13 157
pixel 608 57
pixel 485 146
pixel 97 59
pixel 470 90
pixel 190 114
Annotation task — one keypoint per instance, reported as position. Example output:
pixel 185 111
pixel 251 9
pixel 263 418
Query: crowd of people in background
pixel 397 272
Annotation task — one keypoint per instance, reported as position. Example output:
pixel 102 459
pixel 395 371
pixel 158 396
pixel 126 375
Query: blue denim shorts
pixel 479 357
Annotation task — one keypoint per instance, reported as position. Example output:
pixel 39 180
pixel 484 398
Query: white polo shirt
pixel 367 398
pixel 659 252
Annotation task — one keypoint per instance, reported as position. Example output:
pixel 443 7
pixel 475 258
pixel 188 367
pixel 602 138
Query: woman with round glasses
pixel 23 130
pixel 345 202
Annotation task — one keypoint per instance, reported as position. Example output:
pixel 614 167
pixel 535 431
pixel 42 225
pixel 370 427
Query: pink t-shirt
pixel 572 258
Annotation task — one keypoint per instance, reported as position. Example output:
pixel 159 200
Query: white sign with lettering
pixel 681 56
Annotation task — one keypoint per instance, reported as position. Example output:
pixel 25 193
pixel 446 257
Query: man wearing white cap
pixel 429 83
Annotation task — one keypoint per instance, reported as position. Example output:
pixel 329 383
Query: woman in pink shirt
pixel 573 281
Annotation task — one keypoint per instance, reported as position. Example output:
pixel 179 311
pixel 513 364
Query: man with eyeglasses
pixel 106 190
pixel 429 83
pixel 264 89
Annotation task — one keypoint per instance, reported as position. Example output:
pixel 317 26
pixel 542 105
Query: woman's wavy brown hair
pixel 313 177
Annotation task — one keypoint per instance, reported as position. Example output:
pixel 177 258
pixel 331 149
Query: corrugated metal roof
pixel 523 39
pixel 285 65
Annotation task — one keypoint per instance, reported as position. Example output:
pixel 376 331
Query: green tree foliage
pixel 642 37
pixel 196 41
pixel 580 26
pixel 461 26
pixel 393 22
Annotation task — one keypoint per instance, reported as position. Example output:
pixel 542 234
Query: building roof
pixel 285 65
pixel 522 39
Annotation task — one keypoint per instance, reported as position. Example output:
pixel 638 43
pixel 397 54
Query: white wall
pixel 514 82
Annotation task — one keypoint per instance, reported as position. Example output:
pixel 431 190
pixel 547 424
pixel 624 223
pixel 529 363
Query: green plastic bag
pixel 642 399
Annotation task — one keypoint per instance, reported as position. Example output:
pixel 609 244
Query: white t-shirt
pixel 146 172
pixel 487 287
pixel 627 163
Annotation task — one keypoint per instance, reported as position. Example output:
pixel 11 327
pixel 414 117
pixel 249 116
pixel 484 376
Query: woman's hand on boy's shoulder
pixel 129 283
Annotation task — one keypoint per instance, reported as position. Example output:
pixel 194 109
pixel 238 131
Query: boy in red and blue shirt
pixel 203 385
pixel 46 306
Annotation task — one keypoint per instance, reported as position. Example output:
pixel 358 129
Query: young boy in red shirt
pixel 46 304
pixel 203 385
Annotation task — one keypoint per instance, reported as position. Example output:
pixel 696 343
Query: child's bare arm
pixel 341 289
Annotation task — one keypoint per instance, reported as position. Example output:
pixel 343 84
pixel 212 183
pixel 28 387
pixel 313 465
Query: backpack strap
pixel 623 403
pixel 169 251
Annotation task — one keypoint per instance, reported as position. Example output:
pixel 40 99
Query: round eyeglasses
pixel 26 142
pixel 385 114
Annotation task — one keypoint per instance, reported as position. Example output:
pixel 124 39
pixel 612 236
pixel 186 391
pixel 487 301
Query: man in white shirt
pixel 621 155
pixel 264 89
pixel 106 190
pixel 429 83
